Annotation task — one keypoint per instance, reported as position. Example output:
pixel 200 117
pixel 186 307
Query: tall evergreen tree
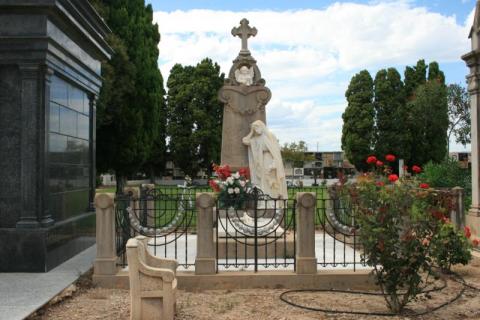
pixel 390 134
pixel 132 23
pixel 195 115
pixel 428 123
pixel 358 120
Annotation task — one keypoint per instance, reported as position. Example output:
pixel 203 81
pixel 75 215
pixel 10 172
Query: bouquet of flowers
pixel 232 188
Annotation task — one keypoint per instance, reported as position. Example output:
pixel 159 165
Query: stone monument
pixel 472 60
pixel 245 97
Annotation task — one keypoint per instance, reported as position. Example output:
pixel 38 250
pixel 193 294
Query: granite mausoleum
pixel 50 77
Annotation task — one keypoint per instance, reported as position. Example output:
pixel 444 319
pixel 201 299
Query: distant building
pixel 325 165
pixel 464 159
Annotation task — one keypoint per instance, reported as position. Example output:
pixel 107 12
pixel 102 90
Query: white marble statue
pixel 245 75
pixel 265 161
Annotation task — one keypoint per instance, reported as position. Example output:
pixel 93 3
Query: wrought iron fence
pixel 259 234
pixel 168 219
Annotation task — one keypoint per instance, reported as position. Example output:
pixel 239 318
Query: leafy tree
pixel 358 120
pixel 414 77
pixel 295 153
pixel 143 107
pixel 195 115
pixel 458 114
pixel 429 123
pixel 391 135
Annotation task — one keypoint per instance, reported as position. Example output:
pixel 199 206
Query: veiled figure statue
pixel 265 161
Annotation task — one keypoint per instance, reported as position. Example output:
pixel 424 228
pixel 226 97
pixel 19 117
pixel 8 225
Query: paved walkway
pixel 23 293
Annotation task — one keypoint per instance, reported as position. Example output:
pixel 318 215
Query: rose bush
pixel 400 223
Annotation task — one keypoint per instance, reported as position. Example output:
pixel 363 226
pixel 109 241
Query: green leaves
pixel 195 115
pixel 408 118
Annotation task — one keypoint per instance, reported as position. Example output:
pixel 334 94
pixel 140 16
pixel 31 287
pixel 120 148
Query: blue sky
pixel 308 50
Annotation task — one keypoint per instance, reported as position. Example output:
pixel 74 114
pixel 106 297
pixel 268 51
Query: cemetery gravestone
pixel 245 97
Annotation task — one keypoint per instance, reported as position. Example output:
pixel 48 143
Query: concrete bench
pixel 153 285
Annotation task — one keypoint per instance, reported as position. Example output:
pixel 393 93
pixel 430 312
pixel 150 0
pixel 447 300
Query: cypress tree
pixel 132 24
pixel 358 120
pixel 390 134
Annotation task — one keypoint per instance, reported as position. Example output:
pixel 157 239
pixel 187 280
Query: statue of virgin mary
pixel 265 161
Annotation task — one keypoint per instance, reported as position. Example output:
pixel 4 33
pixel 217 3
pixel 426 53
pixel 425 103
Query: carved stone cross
pixel 244 32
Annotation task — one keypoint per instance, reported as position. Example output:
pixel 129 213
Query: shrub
pixel 449 174
pixel 450 247
pixel 398 220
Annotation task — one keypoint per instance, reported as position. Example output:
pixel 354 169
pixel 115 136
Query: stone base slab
pixel 283 247
pixel 337 279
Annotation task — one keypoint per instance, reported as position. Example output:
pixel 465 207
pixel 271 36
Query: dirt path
pixel 96 303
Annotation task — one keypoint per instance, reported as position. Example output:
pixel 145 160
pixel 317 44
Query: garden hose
pixel 458 279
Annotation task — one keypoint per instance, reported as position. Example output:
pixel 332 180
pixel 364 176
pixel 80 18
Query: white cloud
pixel 307 57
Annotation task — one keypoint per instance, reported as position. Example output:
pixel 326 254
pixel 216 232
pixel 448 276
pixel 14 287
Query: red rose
pixel 214 185
pixel 379 163
pixel 223 172
pixel 476 242
pixel 390 157
pixel 371 160
pixel 244 172
pixel 438 215
pixel 468 232
pixel 424 185
pixel 380 183
pixel 416 169
pixel 392 178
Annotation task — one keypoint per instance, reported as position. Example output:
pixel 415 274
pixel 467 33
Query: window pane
pixel 59 91
pixel 57 147
pixel 68 122
pixel 54 117
pixel 83 127
pixel 76 99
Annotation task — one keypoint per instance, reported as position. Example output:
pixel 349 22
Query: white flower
pixel 230 190
pixel 242 183
pixel 236 175
pixel 237 190
pixel 229 180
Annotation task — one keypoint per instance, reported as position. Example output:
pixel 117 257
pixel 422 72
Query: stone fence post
pixel 457 215
pixel 106 259
pixel 205 261
pixel 305 243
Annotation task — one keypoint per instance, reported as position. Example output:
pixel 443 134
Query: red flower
pixel 476 242
pixel 380 183
pixel 223 172
pixel 214 185
pixel 379 163
pixel 424 185
pixel 405 168
pixel 416 169
pixel 392 178
pixel 438 215
pixel 468 232
pixel 244 172
pixel 371 160
pixel 390 157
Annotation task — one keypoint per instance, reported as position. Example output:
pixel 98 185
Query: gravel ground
pixel 95 303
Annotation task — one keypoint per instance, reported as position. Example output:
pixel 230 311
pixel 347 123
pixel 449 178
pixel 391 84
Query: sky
pixel 308 50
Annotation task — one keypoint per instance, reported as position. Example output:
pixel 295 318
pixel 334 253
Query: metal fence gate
pixel 257 235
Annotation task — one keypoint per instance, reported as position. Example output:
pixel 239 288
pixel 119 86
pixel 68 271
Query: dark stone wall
pixel 10 129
